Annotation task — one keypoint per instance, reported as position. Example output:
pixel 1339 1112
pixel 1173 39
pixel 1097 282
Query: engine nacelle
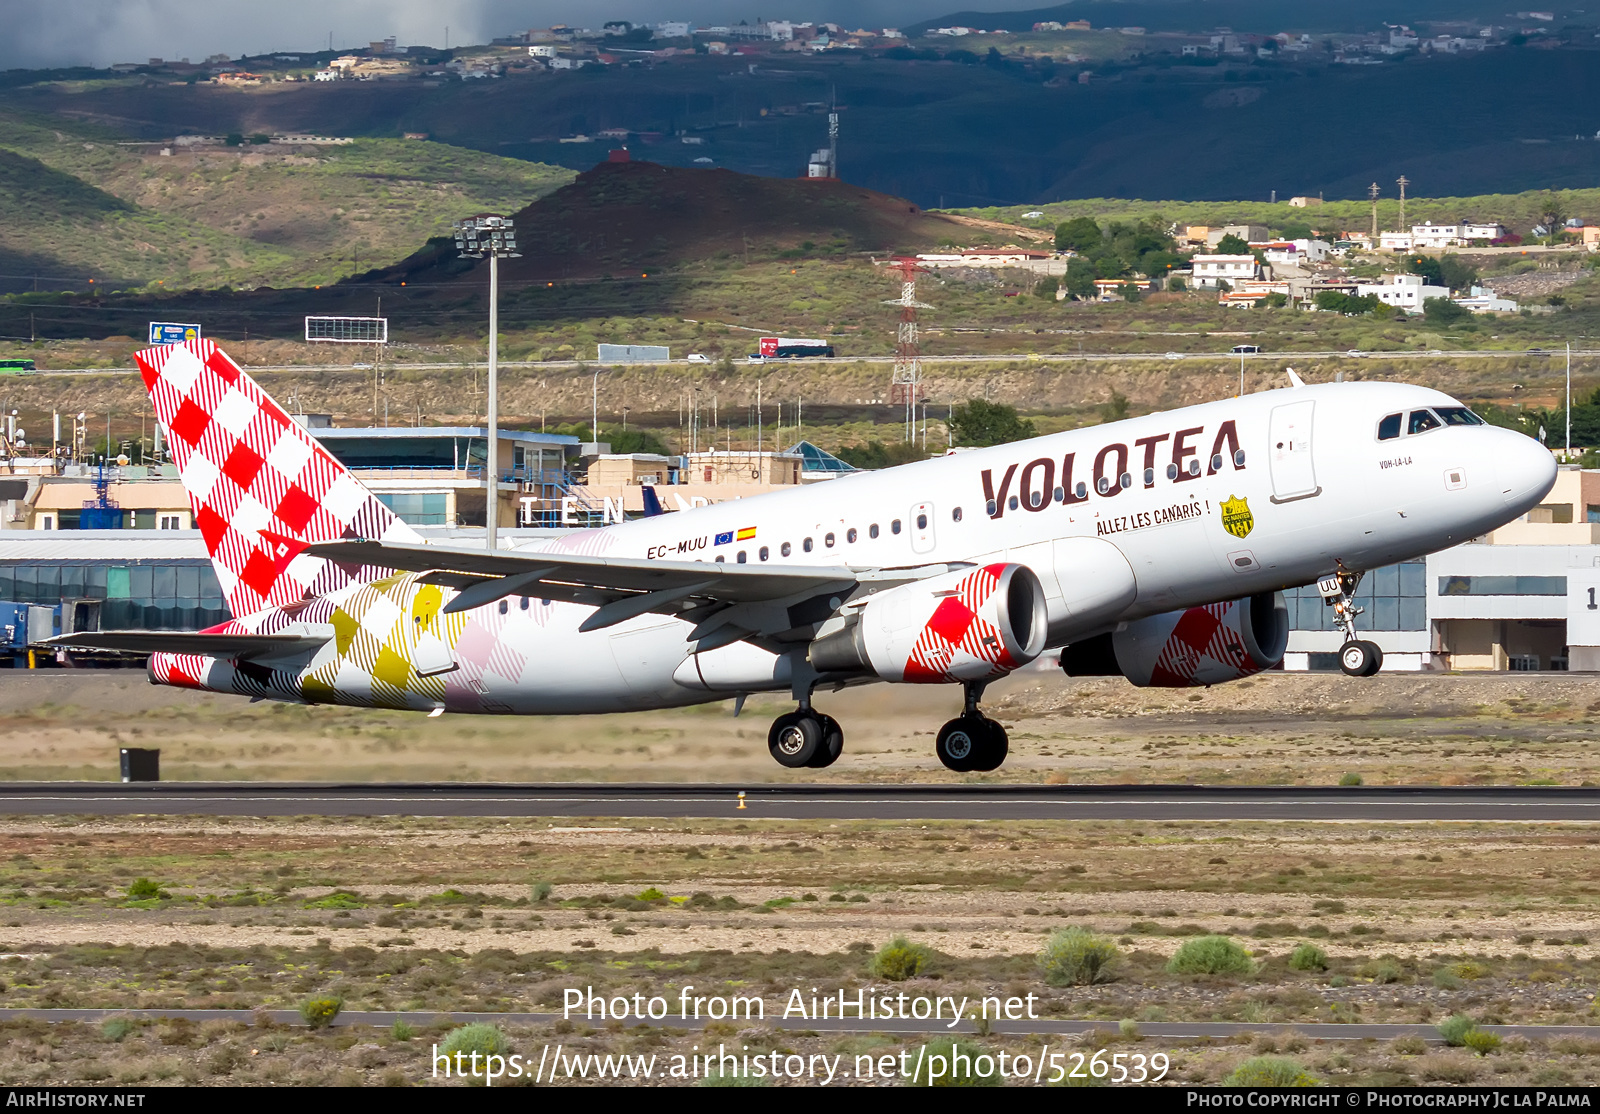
pixel 1197 646
pixel 966 625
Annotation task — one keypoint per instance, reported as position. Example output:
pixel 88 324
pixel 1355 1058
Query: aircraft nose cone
pixel 1526 471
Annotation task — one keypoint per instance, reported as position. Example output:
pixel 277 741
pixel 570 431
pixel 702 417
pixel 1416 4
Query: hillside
pixel 1517 211
pixel 625 217
pixel 80 202
pixel 971 129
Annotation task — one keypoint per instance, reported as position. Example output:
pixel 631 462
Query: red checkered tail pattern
pixel 261 487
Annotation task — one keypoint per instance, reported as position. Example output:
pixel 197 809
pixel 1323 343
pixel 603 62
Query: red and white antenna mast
pixel 906 384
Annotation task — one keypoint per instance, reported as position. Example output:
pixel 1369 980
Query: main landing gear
pixel 805 738
pixel 1357 657
pixel 972 741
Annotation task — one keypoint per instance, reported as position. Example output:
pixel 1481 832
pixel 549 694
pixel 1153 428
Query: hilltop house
pixel 1407 292
pixel 1209 270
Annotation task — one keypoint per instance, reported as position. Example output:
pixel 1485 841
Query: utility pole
pixel 1372 192
pixel 1403 183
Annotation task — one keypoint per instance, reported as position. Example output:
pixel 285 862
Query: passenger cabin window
pixel 1389 428
pixel 741 557
pixel 827 540
pixel 762 553
pixel 955 514
pixel 922 522
pixel 806 545
pixel 785 549
pixel 850 535
pixel 1458 415
pixel 1422 421
pixel 872 531
pixel 894 527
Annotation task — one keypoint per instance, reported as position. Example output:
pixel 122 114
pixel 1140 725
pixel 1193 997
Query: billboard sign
pixel 347 330
pixel 168 332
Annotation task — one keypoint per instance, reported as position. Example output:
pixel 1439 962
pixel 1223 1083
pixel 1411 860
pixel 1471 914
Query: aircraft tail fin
pixel 652 505
pixel 261 487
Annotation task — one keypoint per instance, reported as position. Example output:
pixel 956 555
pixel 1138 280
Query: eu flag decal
pixel 723 539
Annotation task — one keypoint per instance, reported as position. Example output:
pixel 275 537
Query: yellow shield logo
pixel 1236 517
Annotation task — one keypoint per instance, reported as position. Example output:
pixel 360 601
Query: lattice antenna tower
pixel 833 135
pixel 1372 192
pixel 1403 182
pixel 906 384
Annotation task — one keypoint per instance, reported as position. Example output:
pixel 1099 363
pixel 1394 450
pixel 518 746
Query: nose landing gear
pixel 1357 657
pixel 972 741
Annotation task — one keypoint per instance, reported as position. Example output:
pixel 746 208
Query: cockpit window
pixel 1458 415
pixel 1422 421
pixel 1389 428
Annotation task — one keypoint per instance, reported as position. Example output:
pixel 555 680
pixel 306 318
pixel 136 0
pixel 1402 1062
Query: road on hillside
pixel 1012 357
pixel 808 802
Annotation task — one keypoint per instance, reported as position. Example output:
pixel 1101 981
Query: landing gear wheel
pixel 1360 658
pixel 832 744
pixel 996 746
pixel 795 739
pixel 972 742
pixel 1377 659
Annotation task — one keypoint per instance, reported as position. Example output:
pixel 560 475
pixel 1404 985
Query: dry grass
pixel 1278 729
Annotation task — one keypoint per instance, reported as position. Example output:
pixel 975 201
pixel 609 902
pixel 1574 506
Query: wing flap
pixel 597 579
pixel 241 646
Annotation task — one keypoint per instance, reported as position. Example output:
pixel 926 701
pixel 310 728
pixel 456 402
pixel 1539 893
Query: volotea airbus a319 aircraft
pixel 1154 548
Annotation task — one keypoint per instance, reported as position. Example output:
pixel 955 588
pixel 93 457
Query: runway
pixel 807 802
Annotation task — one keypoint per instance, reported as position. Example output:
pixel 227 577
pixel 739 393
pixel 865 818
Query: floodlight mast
pixel 496 238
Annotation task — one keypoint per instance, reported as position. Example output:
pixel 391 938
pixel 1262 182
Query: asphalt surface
pixel 1173 1030
pixel 807 802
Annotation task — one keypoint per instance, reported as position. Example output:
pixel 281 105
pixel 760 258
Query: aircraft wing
pixel 242 646
pixel 720 598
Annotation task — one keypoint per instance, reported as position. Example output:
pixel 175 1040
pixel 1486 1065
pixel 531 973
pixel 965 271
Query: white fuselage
pixel 1316 491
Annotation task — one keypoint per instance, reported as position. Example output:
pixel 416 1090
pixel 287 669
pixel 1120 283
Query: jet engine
pixel 1197 646
pixel 966 625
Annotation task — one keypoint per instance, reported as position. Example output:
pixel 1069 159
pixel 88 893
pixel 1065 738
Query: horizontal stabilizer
pixel 241 646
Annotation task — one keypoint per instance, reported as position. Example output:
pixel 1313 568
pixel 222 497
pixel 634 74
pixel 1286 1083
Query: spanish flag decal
pixel 747 533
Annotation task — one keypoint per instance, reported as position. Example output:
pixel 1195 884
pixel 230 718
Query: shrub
pixel 651 894
pixel 1129 1029
pixel 1446 979
pixel 319 1012
pixel 900 959
pixel 400 1031
pixel 958 1063
pixel 1308 957
pixel 1481 1041
pixel 1270 1071
pixel 143 889
pixel 116 1028
pixel 478 1037
pixel 1351 778
pixel 1210 955
pixel 1077 957
pixel 1383 971
pixel 1454 1029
